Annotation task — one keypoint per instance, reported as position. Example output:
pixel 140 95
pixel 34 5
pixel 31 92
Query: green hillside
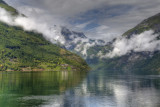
pixel 8 8
pixel 29 51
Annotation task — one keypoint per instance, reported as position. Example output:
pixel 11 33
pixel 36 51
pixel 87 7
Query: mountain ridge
pixel 151 23
pixel 143 62
pixel 29 51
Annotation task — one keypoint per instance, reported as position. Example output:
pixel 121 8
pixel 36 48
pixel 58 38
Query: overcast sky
pixel 97 18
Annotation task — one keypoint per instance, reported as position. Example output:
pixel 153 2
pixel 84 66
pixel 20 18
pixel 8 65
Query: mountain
pixel 95 51
pixel 78 42
pixel 135 61
pixel 29 51
pixel 152 23
pixel 73 41
pixel 139 52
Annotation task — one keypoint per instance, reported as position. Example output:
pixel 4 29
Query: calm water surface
pixel 77 89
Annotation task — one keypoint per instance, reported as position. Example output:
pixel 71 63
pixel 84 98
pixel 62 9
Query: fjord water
pixel 78 89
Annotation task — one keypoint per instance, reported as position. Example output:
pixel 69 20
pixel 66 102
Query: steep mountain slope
pixel 8 8
pixel 152 23
pixel 138 62
pixel 95 51
pixel 29 51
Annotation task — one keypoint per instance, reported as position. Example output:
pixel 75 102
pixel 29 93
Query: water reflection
pixel 101 90
pixel 34 89
pixel 70 89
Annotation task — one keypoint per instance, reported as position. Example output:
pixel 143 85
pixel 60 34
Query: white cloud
pixel 146 41
pixel 52 34
pixel 102 32
pixel 61 7
pixel 83 25
pixel 42 15
pixel 121 20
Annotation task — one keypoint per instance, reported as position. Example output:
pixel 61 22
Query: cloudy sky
pixel 97 18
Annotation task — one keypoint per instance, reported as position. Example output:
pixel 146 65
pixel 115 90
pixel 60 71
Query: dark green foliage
pixel 143 64
pixel 8 8
pixel 29 51
pixel 20 50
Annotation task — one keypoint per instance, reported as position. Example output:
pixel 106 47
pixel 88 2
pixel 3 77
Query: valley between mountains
pixel 137 51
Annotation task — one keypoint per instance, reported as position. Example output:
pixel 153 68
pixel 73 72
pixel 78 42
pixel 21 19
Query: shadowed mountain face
pixel 96 52
pixel 138 62
pixel 29 51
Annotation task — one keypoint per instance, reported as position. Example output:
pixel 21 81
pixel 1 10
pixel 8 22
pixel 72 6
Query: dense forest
pixel 29 51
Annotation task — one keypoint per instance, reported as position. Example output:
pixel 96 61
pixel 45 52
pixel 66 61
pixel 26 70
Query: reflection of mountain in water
pixel 113 91
pixel 18 87
pixel 70 89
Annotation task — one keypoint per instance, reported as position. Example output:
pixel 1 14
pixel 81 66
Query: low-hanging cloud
pixel 51 33
pixel 144 42
pixel 111 13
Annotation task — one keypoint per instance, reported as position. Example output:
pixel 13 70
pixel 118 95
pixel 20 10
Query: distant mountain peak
pixel 78 42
